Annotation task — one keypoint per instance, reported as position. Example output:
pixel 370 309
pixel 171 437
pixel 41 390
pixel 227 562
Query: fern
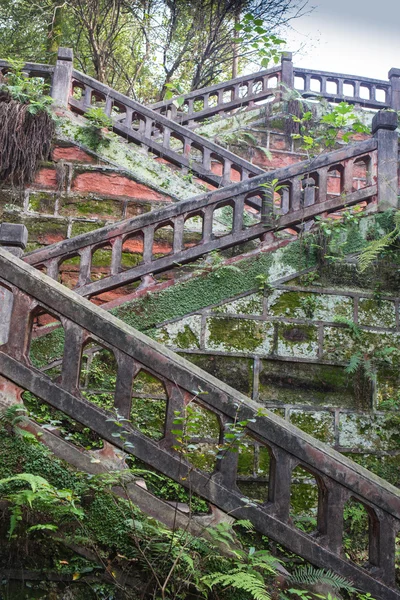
pixel 354 328
pixel 354 363
pixel 251 582
pixel 309 575
pixel 375 248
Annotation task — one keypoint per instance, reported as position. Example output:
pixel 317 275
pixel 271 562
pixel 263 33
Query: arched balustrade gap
pixel 46 345
pixel 348 89
pixel 299 83
pixel 198 105
pixel 243 91
pixel 304 500
pixel 137 122
pixel 117 110
pixel 163 241
pixel 177 143
pixel 101 262
pixel 197 436
pixel 257 87
pixel 227 96
pixel 196 154
pixel 68 271
pixel 380 95
pixel 98 375
pixel 157 132
pixel 60 423
pixel 315 84
pixel 149 405
pixel 212 100
pixel 332 87
pixel 217 166
pixel 356 531
pixel 361 173
pixel 98 100
pixel 222 223
pixel 272 82
pixel 253 472
pixel 132 251
pixel 365 92
pixel 78 91
pixel 335 181
pixel 192 231
pixel 251 214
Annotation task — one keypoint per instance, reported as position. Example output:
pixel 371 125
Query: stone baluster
pixel 62 77
pixel 384 125
pixel 394 78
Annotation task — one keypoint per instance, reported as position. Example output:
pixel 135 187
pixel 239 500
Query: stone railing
pixel 221 98
pixel 361 172
pixel 137 123
pixel 256 88
pixel 339 480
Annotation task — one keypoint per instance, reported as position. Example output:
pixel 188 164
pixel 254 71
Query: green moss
pixel 187 339
pixel 189 296
pixel 297 340
pixel 43 202
pixel 318 424
pixel 238 335
pixel 79 227
pixel 130 259
pixel 47 348
pixel 101 257
pixel 299 255
pixel 309 305
pixel 378 313
pixel 90 206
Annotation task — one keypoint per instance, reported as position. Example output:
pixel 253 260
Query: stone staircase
pixel 32 293
pixel 252 210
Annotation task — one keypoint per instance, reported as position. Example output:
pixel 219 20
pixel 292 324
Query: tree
pixel 140 46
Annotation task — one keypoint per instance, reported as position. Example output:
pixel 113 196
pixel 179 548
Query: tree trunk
pixel 54 36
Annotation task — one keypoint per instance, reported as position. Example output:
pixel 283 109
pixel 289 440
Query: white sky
pixel 357 37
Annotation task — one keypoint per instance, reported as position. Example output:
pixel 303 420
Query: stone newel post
pixel 384 125
pixel 394 78
pixel 287 69
pixel 61 83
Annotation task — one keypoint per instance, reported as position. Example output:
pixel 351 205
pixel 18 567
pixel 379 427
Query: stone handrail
pixel 303 196
pixel 248 90
pixel 356 85
pixel 338 479
pixel 141 125
pixel 222 98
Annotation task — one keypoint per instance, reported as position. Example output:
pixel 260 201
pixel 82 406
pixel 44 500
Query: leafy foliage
pixel 377 247
pixel 24 108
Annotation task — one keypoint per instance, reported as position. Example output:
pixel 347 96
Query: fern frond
pixel 374 249
pixel 354 363
pixel 309 575
pixel 240 580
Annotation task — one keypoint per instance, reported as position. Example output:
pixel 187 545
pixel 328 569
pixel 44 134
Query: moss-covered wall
pixel 288 345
